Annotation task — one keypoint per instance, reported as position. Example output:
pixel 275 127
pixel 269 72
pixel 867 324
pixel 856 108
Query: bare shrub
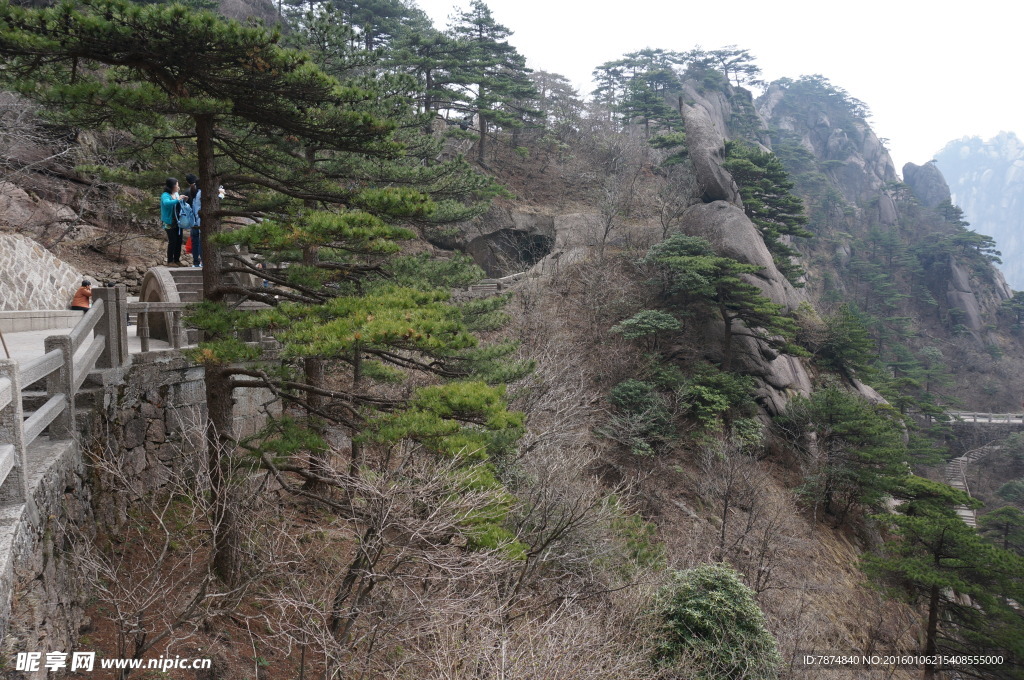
pixel 151 576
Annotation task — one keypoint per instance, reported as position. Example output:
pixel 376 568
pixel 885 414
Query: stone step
pixel 187 274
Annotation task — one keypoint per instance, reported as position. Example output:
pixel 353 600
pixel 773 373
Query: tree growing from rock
pixel 769 202
pixel 693 274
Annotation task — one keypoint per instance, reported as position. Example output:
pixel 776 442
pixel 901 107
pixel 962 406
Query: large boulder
pixel 502 241
pixel 732 234
pixel 705 144
pixel 24 212
pixel 927 183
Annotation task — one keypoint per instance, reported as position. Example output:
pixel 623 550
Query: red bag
pixel 188 244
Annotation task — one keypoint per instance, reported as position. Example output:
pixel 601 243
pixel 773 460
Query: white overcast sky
pixel 929 72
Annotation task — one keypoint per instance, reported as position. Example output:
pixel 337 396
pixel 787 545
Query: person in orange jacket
pixel 83 297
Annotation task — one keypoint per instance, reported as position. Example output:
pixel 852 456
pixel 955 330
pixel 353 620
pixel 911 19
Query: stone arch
pixel 168 284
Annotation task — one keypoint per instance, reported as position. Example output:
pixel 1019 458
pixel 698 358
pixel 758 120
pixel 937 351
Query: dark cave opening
pixel 509 251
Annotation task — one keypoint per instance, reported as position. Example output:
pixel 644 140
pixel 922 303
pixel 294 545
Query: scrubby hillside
pixel 724 333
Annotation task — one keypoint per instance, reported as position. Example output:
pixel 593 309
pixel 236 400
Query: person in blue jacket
pixel 195 199
pixel 169 216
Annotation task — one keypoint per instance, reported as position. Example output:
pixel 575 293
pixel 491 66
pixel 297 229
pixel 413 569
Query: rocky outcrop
pixel 961 297
pixel 502 241
pixel 33 278
pixel 23 211
pixel 848 151
pixel 927 183
pixel 705 145
pixel 732 234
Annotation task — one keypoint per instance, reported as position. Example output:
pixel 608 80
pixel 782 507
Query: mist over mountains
pixel 986 179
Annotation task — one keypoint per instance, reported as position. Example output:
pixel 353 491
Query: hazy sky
pixel 929 73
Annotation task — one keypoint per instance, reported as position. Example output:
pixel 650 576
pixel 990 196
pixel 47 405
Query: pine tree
pixel 283 136
pixel 1005 528
pixel 693 274
pixel 966 586
pixel 859 455
pixel 493 70
pixel 769 202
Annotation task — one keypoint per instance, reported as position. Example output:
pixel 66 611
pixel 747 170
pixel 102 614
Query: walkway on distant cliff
pixel 988 418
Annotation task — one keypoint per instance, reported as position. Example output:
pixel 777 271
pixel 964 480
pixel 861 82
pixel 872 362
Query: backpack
pixel 186 215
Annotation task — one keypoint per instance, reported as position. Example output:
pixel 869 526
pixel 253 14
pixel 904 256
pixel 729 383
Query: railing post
pixel 13 489
pixel 143 329
pixel 61 382
pixel 113 326
pixel 176 332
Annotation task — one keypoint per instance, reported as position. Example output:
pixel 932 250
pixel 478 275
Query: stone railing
pixel 67 361
pixel 995 418
pixel 172 312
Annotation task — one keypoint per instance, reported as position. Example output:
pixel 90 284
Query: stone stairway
pixel 956 477
pixel 189 281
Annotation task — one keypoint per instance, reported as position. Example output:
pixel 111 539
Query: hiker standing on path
pixel 195 199
pixel 83 297
pixel 169 216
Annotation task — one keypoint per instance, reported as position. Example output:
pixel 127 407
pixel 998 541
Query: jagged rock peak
pixel 830 124
pixel 927 183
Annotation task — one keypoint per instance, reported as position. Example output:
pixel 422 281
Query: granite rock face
pixel 852 155
pixel 732 234
pixel 705 144
pixel 927 183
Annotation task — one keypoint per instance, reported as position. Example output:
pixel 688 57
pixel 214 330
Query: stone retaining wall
pixel 147 418
pixel 32 277
pixel 40 599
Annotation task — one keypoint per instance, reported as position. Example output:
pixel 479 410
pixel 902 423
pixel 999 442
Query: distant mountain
pixel 987 181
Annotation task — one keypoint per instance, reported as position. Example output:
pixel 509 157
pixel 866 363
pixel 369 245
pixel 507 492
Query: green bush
pixel 644 420
pixel 709 393
pixel 711 626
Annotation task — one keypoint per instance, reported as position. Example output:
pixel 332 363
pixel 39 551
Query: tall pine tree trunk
pixel 220 445
pixel 481 147
pixel 932 631
pixel 314 373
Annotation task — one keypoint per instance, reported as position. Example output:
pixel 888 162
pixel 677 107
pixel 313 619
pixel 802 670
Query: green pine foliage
pixel 492 75
pixel 325 166
pixel 856 457
pixel 711 395
pixel 692 275
pixel 711 628
pixel 769 202
pixel 1004 528
pixel 964 584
